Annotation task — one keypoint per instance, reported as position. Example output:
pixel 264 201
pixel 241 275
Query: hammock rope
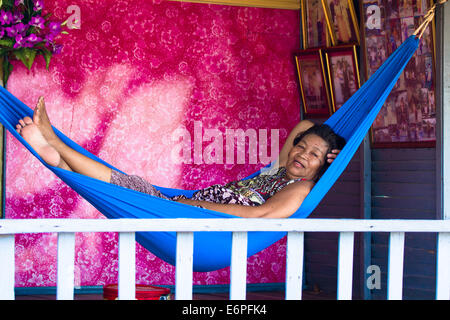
pixel 428 18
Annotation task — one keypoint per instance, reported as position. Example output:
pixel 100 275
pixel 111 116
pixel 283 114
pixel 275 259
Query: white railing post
pixel 395 265
pixel 238 271
pixel 184 266
pixel 345 266
pixel 185 228
pixel 443 267
pixel 127 266
pixel 294 265
pixel 65 268
pixel 7 266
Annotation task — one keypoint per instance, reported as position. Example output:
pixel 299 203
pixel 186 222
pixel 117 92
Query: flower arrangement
pixel 25 33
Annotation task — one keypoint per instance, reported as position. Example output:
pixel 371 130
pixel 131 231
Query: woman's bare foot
pixel 32 134
pixel 42 121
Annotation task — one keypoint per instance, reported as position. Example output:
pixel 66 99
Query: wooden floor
pixel 264 295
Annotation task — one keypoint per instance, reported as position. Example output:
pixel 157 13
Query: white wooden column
pixel 443 171
pixel 443 267
pixel 184 266
pixel 442 146
pixel 294 265
pixel 238 271
pixel 127 266
pixel 66 268
pixel 345 265
pixel 7 266
pixel 395 265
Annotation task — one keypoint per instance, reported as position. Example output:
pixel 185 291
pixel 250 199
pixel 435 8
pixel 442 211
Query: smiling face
pixel 306 158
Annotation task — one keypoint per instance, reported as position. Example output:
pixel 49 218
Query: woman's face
pixel 306 158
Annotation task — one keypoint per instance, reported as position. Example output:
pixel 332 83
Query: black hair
pixel 333 140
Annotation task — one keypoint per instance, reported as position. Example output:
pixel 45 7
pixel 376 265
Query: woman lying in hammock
pixel 306 154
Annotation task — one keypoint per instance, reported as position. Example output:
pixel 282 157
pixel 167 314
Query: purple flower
pixel 2 33
pixel 5 17
pixel 32 38
pixel 38 5
pixel 55 27
pixel 11 32
pixel 18 2
pixel 37 22
pixel 17 17
pixel 54 30
pixel 56 48
pixel 20 41
pixel 17 29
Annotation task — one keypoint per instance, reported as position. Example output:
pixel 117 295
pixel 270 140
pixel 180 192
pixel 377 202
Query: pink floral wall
pixel 135 72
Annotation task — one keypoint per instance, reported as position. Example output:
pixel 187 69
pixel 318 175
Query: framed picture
pixel 315 30
pixel 408 117
pixel 313 87
pixel 342 22
pixel 343 74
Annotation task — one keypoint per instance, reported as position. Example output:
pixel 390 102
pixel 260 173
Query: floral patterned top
pixel 260 188
pixel 252 192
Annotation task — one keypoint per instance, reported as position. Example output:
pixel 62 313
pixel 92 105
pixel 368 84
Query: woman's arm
pixel 281 205
pixel 286 202
pixel 300 127
pixel 233 209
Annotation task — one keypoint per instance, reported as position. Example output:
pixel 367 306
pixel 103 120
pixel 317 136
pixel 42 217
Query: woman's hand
pixel 331 156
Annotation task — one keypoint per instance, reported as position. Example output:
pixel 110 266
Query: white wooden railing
pixel 67 228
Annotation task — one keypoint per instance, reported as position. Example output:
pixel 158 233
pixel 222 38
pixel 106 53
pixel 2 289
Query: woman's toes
pixel 22 123
pixel 27 120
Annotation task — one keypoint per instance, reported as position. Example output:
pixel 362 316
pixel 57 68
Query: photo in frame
pixel 342 22
pixel 313 86
pixel 314 25
pixel 408 117
pixel 343 74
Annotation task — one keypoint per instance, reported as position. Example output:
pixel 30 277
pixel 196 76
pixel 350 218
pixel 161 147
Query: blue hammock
pixel 212 250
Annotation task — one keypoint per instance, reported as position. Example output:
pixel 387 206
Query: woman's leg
pixel 39 134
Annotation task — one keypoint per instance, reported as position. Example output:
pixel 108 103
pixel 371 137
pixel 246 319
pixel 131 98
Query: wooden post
pixel 7 266
pixel 127 266
pixel 443 267
pixel 294 265
pixel 66 267
pixel 2 155
pixel 345 265
pixel 366 212
pixel 395 265
pixel 238 272
pixel 445 111
pixel 184 266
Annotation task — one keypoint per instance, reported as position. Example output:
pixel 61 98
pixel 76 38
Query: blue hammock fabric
pixel 352 121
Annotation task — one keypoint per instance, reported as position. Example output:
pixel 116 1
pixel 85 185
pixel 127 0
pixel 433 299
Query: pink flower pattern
pixel 134 72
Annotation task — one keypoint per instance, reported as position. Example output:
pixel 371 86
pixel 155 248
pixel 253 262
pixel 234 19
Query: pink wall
pixel 134 73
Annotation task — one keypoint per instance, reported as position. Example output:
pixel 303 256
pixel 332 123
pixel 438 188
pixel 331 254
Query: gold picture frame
pixel 314 25
pixel 313 84
pixel 342 22
pixel 343 73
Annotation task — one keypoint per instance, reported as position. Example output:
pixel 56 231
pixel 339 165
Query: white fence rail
pixel 67 229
